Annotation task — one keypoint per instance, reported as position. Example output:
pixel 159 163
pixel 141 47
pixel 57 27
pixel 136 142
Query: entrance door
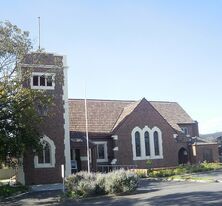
pixel 182 156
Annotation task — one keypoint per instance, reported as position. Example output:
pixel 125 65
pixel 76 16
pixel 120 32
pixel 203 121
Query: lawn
pixel 7 190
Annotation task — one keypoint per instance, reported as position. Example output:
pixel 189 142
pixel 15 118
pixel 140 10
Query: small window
pixel 35 80
pixel 44 156
pixel 138 145
pixel 147 143
pixel 101 151
pixel 156 143
pixel 42 81
pixel 184 130
pixel 49 81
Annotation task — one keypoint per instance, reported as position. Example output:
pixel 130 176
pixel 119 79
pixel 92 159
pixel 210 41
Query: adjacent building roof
pixel 105 115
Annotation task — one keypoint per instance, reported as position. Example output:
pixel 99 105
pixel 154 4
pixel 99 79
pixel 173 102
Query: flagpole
pixel 87 133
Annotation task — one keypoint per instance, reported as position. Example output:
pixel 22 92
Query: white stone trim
pixel 137 129
pixel 115 137
pixel 20 176
pixel 66 118
pixel 114 161
pixel 40 66
pixel 142 143
pixel 52 155
pixel 115 149
pixel 42 87
pixel 105 151
pixel 83 158
pixel 156 129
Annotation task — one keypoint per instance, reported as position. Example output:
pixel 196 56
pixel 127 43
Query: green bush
pixel 7 190
pixel 81 184
pixel 120 181
pixel 142 173
pixel 185 169
pixel 84 184
pixel 162 173
pixel 100 183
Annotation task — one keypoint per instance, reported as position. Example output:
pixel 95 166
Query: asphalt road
pixel 148 193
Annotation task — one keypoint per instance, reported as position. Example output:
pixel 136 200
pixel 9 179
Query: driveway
pixel 149 193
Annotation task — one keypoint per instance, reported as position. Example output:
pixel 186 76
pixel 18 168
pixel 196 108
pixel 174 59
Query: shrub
pixel 81 184
pixel 7 190
pixel 120 181
pixel 100 183
pixel 84 184
pixel 142 173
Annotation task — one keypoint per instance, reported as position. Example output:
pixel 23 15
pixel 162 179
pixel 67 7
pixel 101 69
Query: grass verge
pixel 180 170
pixel 7 190
pixel 191 178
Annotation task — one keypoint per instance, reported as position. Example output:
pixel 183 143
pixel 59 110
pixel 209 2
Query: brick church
pixel 121 133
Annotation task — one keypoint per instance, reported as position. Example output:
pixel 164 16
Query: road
pixel 149 193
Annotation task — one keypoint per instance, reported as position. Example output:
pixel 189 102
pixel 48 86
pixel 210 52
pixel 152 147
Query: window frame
pixel 136 146
pixel 145 143
pixel 105 159
pixel 52 155
pixel 156 141
pixel 39 75
pixel 151 143
pixel 185 130
pixel 44 153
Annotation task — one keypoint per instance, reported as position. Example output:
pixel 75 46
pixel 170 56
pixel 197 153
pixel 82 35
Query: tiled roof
pixel 102 114
pixel 173 113
pixel 105 115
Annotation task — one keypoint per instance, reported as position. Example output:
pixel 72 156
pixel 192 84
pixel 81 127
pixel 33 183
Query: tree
pixel 19 119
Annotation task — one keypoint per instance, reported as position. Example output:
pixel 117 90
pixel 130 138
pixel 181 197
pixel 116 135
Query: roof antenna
pixel 39 30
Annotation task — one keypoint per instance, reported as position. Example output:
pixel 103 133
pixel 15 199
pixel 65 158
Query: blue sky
pixel 130 49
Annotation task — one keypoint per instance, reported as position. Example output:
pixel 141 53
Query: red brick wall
pixel 200 152
pixel 146 115
pixel 192 129
pixel 53 126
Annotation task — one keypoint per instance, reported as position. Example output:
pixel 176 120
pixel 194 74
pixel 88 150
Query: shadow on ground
pixel 182 199
pixel 141 197
pixel 34 198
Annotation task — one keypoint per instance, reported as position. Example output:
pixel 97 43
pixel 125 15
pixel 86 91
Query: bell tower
pixel 48 72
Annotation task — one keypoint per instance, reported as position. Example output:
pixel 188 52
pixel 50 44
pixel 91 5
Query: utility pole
pixel 87 133
pixel 39 32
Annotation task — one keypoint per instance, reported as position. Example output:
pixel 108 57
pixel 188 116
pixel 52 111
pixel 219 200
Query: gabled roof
pixel 105 115
pixel 102 114
pixel 173 113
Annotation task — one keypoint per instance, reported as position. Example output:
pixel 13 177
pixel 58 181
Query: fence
pixel 108 168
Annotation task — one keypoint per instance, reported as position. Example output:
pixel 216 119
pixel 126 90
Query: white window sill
pixel 43 87
pixel 44 166
pixel 102 160
pixel 148 158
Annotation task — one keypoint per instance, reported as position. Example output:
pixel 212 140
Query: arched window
pixel 45 158
pixel 147 143
pixel 44 155
pixel 156 143
pixel 137 144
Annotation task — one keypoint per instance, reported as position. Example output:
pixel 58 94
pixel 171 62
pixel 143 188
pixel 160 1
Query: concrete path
pixel 49 187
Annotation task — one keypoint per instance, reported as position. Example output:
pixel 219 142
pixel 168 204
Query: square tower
pixel 48 72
